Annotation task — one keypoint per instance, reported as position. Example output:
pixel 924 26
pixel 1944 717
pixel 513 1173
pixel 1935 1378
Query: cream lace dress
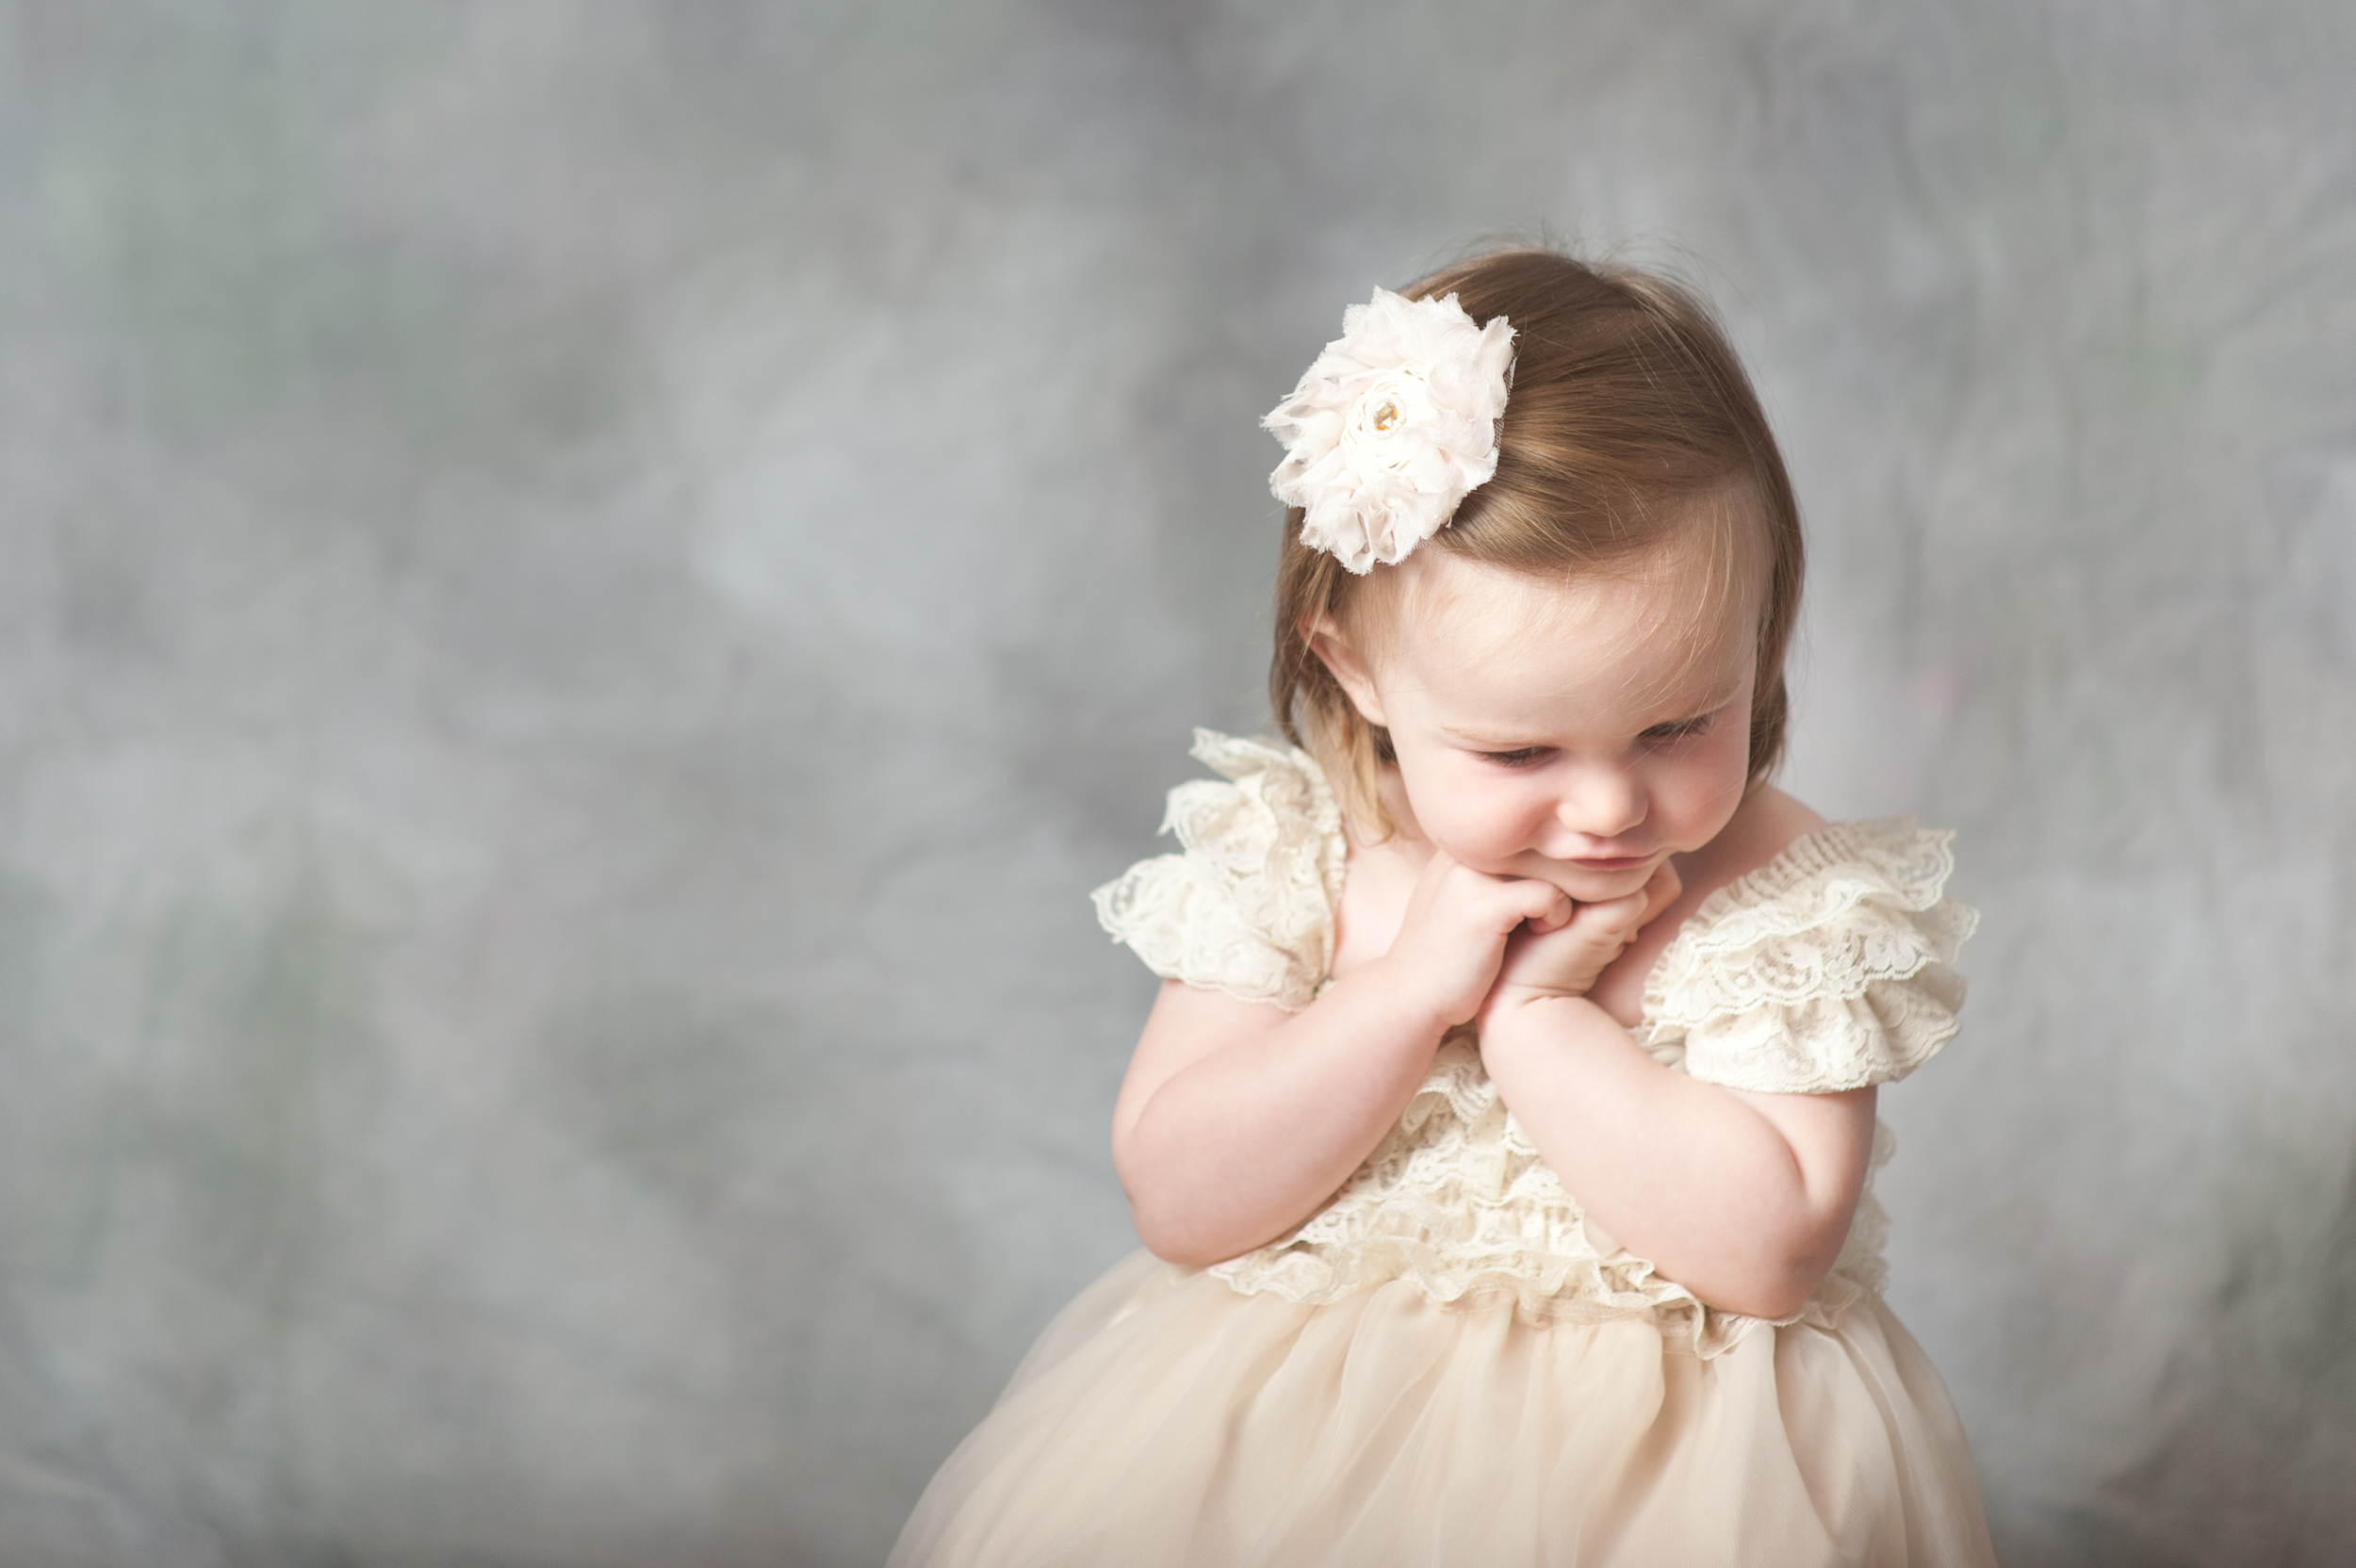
pixel 1448 1364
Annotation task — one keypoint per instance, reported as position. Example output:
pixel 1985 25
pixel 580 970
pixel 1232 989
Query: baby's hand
pixel 1542 962
pixel 1456 930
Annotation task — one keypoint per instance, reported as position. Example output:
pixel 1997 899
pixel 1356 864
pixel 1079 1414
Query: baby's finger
pixel 1543 905
pixel 1560 912
pixel 1620 917
pixel 1661 891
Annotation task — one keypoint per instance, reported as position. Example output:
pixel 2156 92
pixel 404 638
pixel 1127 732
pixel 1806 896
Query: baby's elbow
pixel 1776 1301
pixel 1164 1240
pixel 1776 1286
pixel 1163 1227
pixel 1168 1237
pixel 1186 1255
pixel 1772 1303
pixel 1789 1256
pixel 1170 1217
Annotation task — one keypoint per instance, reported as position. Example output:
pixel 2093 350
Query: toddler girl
pixel 1501 1134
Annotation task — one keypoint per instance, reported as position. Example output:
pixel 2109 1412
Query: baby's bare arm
pixel 1237 1118
pixel 1743 1198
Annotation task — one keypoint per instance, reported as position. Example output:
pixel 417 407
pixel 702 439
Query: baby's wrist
pixel 1514 995
pixel 1519 1014
pixel 1410 998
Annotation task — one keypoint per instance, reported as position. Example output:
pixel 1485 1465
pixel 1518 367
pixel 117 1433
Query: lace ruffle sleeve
pixel 1825 970
pixel 1247 910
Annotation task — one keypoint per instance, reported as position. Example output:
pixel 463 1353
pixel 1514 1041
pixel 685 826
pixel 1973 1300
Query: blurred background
pixel 587 585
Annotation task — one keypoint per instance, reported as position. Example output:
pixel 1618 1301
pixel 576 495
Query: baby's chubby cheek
pixel 1474 839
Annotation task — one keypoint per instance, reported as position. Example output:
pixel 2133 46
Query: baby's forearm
pixel 1745 1200
pixel 1242 1143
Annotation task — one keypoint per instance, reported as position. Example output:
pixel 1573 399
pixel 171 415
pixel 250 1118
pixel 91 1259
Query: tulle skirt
pixel 1166 1420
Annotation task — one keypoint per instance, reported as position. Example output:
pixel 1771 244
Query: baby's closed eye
pixel 1700 724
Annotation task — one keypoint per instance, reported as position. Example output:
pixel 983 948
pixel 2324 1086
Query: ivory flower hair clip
pixel 1392 426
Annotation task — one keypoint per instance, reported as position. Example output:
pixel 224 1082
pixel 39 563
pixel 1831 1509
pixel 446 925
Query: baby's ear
pixel 1342 659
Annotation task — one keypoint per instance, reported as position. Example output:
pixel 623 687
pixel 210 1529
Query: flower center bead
pixel 1380 435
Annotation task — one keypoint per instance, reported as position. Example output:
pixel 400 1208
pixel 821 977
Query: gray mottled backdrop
pixel 586 586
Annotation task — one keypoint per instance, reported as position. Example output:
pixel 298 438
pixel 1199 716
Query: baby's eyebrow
pixel 1493 740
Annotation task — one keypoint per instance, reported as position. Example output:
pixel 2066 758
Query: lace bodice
pixel 1825 969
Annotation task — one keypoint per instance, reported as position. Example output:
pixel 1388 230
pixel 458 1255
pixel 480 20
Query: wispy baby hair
pixel 1628 407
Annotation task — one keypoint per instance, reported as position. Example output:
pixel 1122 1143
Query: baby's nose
pixel 1602 803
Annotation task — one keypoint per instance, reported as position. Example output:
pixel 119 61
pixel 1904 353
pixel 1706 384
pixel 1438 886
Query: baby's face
pixel 1578 733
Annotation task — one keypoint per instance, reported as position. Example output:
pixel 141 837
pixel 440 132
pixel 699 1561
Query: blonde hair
pixel 1627 407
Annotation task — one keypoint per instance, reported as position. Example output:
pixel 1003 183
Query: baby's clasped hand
pixel 1471 943
pixel 1454 936
pixel 1546 961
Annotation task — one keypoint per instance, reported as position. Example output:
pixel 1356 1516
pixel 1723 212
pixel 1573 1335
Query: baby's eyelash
pixel 1681 730
pixel 1521 757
